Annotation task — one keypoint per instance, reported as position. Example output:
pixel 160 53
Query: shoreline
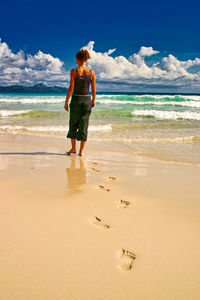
pixel 95 145
pixel 71 225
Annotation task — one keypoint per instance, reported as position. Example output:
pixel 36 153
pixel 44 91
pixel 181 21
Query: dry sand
pixel 107 226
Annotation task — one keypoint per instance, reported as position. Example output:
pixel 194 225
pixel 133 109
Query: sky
pixel 134 45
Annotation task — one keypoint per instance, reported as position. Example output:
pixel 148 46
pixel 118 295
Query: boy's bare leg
pixel 82 145
pixel 73 149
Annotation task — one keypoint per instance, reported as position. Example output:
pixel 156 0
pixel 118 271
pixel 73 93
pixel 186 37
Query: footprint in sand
pixel 122 203
pixel 129 258
pixel 94 163
pixel 96 170
pixel 111 178
pixel 97 221
pixel 103 188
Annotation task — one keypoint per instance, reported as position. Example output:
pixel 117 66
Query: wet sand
pixel 108 225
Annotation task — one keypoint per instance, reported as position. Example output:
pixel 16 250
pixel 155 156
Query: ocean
pixel 166 127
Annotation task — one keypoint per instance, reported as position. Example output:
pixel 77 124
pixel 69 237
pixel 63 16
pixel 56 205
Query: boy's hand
pixel 93 103
pixel 66 106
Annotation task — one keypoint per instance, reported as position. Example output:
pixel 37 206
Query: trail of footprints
pixel 127 257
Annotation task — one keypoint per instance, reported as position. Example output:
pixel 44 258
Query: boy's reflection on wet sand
pixel 75 176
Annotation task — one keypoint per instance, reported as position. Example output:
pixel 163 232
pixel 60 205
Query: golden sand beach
pixel 106 226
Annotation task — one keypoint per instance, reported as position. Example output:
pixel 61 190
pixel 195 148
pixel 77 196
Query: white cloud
pixel 168 72
pixel 147 51
pixel 41 67
pixel 46 61
pixel 112 73
pixel 138 58
pixel 172 65
pixel 9 59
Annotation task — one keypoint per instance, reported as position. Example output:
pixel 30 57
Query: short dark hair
pixel 83 55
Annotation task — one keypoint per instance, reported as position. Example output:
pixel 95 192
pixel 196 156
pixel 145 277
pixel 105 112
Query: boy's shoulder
pixel 73 71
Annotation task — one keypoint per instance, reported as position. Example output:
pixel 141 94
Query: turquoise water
pixel 162 126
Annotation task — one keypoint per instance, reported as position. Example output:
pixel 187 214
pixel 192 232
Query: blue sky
pixel 61 28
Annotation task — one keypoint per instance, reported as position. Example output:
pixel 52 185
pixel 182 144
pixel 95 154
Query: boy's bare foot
pixel 80 154
pixel 71 151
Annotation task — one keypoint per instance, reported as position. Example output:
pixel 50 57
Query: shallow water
pixel 166 127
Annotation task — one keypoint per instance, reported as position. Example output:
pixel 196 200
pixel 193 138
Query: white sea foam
pixel 108 96
pixel 173 103
pixel 177 103
pixel 167 114
pixel 191 101
pixel 36 100
pixel 190 97
pixel 186 97
pixel 7 113
pixel 109 101
pixel 59 128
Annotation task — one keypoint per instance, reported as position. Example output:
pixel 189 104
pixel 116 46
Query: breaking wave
pixel 167 114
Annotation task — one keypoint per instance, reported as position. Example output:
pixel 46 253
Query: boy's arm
pixel 71 86
pixel 93 87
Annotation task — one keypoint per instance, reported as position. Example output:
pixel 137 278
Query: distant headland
pixel 37 88
pixel 42 88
